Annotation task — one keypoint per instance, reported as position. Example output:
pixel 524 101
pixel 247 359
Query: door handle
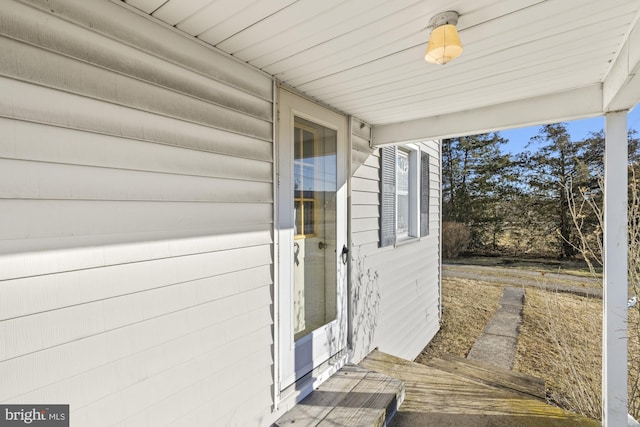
pixel 323 245
pixel 296 252
pixel 344 254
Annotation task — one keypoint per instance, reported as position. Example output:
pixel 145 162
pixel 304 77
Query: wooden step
pixel 490 375
pixel 353 396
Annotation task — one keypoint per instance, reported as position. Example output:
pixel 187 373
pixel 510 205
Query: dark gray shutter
pixel 387 196
pixel 424 194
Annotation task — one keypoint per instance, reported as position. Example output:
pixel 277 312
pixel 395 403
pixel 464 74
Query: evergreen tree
pixel 476 177
pixel 557 166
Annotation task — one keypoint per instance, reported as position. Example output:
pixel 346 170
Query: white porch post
pixel 614 331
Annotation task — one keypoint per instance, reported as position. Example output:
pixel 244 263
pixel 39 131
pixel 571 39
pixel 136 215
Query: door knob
pixel 323 245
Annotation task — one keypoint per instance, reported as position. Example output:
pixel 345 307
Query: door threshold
pixel 293 394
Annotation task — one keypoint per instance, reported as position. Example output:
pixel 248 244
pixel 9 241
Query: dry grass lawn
pixel 560 341
pixel 468 306
pixel 634 361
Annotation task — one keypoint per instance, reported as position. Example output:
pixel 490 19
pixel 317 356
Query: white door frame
pixel 326 341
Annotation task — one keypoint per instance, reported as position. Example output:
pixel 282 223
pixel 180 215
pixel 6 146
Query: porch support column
pixel 614 330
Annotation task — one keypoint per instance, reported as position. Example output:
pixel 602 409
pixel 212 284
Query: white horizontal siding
pixel 395 296
pixel 122 92
pixel 73 75
pixel 175 337
pixel 52 218
pixel 136 187
pixel 365 198
pixel 31 103
pixel 365 184
pixel 39 180
pixel 365 211
pixel 200 271
pixel 40 142
pixel 365 192
pixel 362 238
pixel 148 36
pixel 363 224
pixel 409 303
pixel 42 256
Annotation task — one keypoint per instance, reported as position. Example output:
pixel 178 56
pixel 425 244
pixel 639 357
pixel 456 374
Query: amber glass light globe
pixel 444 45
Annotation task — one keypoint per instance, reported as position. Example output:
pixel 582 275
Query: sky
pixel 578 129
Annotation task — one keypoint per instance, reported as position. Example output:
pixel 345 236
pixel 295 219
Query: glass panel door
pixel 314 195
pixel 311 230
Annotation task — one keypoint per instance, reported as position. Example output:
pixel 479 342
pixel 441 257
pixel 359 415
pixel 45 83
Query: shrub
pixel 455 239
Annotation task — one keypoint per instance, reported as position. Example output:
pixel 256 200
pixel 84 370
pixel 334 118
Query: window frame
pixel 418 194
pixel 411 153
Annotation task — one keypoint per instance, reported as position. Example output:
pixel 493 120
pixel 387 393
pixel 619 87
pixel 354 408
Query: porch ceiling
pixel 524 61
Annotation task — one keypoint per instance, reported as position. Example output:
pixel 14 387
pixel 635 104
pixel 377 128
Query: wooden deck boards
pixel 434 397
pixel 450 392
pixel 510 380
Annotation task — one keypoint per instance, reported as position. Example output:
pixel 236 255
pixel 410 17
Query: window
pixel 404 202
pixel 403 187
pixel 304 200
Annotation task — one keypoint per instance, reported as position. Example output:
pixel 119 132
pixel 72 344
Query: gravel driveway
pixel 578 285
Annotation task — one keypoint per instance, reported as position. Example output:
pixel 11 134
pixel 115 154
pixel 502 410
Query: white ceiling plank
pixel 570 105
pixel 488 13
pixel 500 65
pixel 579 66
pixel 411 20
pixel 210 15
pixel 174 11
pixel 245 18
pixel 513 28
pixel 326 26
pixel 464 100
pixel 445 105
pixel 369 49
pixel 471 99
pixel 475 54
pixel 146 6
pixel 356 52
pixel 300 11
pixel 394 32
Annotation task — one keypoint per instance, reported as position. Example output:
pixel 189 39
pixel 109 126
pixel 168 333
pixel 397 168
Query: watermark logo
pixel 34 415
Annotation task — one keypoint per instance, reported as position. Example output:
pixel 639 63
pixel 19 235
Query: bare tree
pixel 589 246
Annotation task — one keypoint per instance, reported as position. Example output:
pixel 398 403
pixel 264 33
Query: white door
pixel 312 213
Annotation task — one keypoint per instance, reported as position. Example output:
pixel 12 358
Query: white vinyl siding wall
pixel 136 196
pixel 395 292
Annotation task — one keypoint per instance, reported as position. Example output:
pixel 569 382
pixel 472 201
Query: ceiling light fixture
pixel 444 43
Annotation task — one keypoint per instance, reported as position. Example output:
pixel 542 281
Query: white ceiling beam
pixel 557 107
pixel 621 87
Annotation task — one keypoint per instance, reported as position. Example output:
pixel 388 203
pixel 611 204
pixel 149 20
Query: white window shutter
pixel 424 194
pixel 387 196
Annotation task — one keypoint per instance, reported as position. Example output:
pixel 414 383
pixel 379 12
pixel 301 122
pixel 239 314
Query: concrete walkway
pixel 497 344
